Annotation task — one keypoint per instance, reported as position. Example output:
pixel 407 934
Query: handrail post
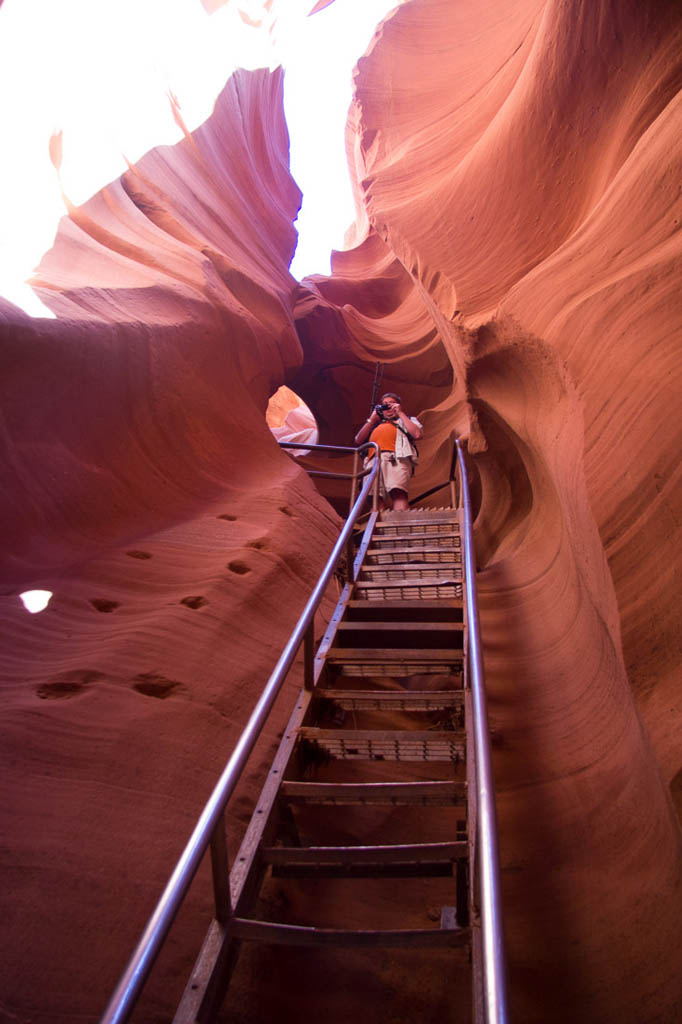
pixel 350 573
pixel 309 655
pixel 350 560
pixel 354 485
pixel 221 872
pixel 452 475
pixel 492 932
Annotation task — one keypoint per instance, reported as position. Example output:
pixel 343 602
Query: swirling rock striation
pixel 142 485
pixel 515 263
pixel 521 162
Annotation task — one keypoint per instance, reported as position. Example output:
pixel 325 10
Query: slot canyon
pixel 515 262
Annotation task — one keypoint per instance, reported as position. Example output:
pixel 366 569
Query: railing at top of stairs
pixel 209 831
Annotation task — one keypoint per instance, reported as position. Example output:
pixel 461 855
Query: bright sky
pixel 100 70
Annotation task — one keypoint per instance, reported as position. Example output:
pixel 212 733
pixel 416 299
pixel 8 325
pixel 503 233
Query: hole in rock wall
pixel 35 600
pixel 290 419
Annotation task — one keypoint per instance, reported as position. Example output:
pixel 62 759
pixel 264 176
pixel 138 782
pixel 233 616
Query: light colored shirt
pixel 405 448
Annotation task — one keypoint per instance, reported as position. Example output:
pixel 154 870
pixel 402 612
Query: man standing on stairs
pixel 395 433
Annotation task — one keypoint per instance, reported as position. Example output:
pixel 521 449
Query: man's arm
pixel 410 426
pixel 367 428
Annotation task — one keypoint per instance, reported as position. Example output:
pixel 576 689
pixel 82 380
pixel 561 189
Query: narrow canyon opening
pixel 290 419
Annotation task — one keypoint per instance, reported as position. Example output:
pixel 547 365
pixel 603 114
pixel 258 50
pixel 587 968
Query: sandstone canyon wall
pixel 515 262
pixel 144 488
pixel 522 164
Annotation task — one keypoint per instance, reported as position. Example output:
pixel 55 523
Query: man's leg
pixel 399 500
pixel 384 495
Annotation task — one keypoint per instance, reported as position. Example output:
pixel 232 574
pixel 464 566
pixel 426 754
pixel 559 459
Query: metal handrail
pixel 492 930
pixel 450 482
pixel 128 990
pixel 328 449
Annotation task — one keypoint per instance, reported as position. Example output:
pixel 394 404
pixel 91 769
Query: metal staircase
pixel 392 715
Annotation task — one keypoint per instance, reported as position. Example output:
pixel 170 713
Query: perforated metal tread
pixel 410 554
pixel 409 572
pixel 393 700
pixel 424 531
pixel 421 860
pixel 416 542
pixel 409 590
pixel 434 793
pixel 444 536
pixel 427 516
pixel 441 655
pixel 395 604
pixel 379 626
pixel 386 745
pixel 395 669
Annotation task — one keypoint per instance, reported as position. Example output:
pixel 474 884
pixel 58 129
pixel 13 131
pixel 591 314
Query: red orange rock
pixel 515 263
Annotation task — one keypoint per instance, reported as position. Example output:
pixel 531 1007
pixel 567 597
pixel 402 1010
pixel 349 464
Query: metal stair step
pixel 439 578
pixel 377 626
pixel 395 669
pixel 398 536
pixel 413 572
pixel 424 860
pixel 443 586
pixel 410 593
pixel 386 745
pixel 432 517
pixel 385 655
pixel 369 640
pixel 443 559
pixel 433 604
pixel 443 541
pixel 271 932
pixel 396 794
pixel 451 521
pixel 392 700
pixel 396 664
pixel 414 555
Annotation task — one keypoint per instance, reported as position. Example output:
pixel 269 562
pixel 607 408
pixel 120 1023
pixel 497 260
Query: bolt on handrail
pixel 127 992
pixel 492 930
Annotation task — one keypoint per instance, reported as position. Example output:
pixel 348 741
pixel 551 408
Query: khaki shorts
pixel 395 474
